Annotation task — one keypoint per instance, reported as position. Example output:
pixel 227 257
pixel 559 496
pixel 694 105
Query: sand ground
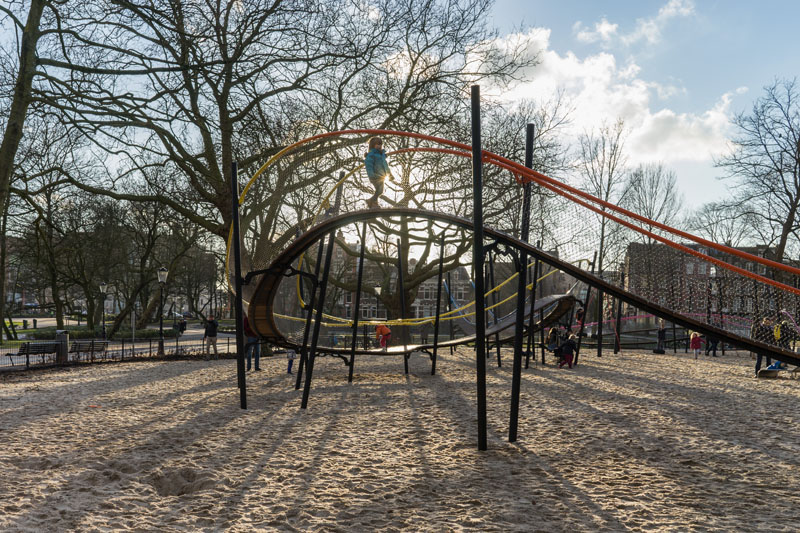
pixel 632 442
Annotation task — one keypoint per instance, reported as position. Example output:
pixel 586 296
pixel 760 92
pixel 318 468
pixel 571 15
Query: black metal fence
pixel 25 355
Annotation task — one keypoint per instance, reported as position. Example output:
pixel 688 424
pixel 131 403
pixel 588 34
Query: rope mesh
pixel 733 290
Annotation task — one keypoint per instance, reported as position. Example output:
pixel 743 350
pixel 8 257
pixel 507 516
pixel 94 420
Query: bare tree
pixel 651 191
pixel 726 223
pixel 21 67
pixel 195 86
pixel 764 163
pixel 601 165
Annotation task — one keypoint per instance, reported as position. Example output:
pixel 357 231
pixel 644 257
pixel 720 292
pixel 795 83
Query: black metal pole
pixel 309 317
pixel 494 303
pixel 522 270
pixel 160 319
pixel 402 292
pixel 585 313
pixel 323 284
pixel 438 304
pixel 358 299
pixel 529 336
pixel 600 311
pixel 674 338
pixel 541 332
pixel 722 315
pixel 450 299
pixel 532 316
pixel 237 281
pixel 477 263
pixel 619 315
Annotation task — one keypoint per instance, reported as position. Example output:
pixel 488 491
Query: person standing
pixel 695 343
pixel 712 346
pixel 291 355
pixel 762 331
pixel 662 336
pixel 252 348
pixel 377 169
pixel 567 350
pixel 210 337
pixel 579 315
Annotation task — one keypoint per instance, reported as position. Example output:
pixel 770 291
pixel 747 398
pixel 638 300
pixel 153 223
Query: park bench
pixel 28 349
pixel 88 347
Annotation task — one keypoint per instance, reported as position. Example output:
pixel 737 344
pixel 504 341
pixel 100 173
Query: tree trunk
pixel 3 249
pixel 21 98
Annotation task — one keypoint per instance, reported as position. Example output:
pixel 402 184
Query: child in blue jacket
pixel 377 169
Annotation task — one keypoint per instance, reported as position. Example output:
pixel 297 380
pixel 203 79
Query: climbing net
pixel 732 289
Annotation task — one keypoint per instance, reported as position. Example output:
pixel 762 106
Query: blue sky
pixel 675 70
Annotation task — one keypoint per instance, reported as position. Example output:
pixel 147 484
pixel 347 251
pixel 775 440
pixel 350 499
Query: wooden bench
pixel 90 347
pixel 28 349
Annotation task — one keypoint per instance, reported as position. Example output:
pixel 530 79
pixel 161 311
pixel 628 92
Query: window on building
pixel 690 268
pixel 701 268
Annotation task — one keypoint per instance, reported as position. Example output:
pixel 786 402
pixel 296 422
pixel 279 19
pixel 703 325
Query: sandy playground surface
pixel 665 445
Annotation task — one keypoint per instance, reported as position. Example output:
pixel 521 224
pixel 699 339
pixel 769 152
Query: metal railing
pixel 12 357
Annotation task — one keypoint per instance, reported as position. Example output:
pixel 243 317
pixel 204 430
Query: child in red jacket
pixel 695 343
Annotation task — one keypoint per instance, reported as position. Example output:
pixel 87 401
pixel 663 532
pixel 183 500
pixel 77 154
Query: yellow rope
pixel 326 202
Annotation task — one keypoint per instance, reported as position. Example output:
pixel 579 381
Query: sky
pixel 676 71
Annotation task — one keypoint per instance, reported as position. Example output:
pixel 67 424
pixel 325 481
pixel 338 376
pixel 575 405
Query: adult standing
pixel 252 348
pixel 210 337
pixel 662 337
pixel 762 331
pixel 711 346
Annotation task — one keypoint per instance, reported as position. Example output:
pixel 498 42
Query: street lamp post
pixel 103 289
pixel 162 279
pixel 377 300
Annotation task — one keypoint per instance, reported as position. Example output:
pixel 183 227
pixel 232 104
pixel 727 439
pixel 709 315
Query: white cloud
pixel 604 31
pixel 600 89
pixel 648 30
pixel 676 137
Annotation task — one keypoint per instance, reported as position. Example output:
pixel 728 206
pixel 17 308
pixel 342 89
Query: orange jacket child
pixel 383 334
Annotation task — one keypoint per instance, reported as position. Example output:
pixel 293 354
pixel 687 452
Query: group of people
pixel 772 330
pixel 696 342
pixel 564 348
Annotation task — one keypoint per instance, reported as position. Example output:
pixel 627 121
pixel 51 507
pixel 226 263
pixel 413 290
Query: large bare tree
pixel 195 86
pixel 764 164
pixel 601 165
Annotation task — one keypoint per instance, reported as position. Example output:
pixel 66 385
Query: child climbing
pixel 377 169
pixel 383 334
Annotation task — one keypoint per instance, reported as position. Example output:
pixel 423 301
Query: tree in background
pixel 764 165
pixel 727 223
pixel 651 191
pixel 601 166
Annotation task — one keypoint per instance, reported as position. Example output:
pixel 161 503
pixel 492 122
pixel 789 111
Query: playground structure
pixel 298 264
